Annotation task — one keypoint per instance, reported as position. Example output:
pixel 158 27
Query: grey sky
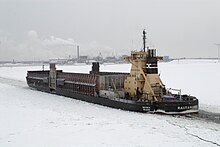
pixel 179 28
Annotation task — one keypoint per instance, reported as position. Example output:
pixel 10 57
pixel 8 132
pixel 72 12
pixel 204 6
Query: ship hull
pixel 175 107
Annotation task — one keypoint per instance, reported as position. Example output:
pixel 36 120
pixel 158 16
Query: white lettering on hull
pixel 186 107
pixel 146 108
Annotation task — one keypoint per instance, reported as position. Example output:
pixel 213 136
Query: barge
pixel 141 90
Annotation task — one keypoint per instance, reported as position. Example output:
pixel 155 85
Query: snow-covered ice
pixel 33 118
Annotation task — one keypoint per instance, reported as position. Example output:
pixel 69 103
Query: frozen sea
pixel 33 118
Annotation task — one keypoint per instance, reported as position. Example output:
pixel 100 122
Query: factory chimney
pixel 77 53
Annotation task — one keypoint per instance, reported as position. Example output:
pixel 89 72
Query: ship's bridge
pixel 138 55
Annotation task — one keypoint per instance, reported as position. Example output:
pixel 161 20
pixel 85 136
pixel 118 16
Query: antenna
pixel 218 45
pixel 144 39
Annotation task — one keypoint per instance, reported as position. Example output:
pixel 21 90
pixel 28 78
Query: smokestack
pixel 95 68
pixel 77 52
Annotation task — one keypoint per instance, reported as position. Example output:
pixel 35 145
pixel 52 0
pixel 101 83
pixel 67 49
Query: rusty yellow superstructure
pixel 144 81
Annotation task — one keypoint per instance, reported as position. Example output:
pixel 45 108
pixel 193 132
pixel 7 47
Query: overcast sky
pixel 40 29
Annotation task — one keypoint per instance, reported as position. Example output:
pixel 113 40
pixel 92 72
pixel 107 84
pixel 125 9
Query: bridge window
pixel 137 56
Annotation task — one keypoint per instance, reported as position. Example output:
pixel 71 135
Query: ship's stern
pixel 184 106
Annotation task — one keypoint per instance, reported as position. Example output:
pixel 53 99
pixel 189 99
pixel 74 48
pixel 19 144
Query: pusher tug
pixel 141 90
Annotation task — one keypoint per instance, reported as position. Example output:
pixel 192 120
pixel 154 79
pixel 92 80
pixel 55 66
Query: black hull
pixel 171 107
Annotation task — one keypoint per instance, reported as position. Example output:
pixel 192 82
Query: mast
pixel 144 39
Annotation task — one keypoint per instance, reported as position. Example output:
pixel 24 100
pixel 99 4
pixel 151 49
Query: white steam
pixel 34 47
